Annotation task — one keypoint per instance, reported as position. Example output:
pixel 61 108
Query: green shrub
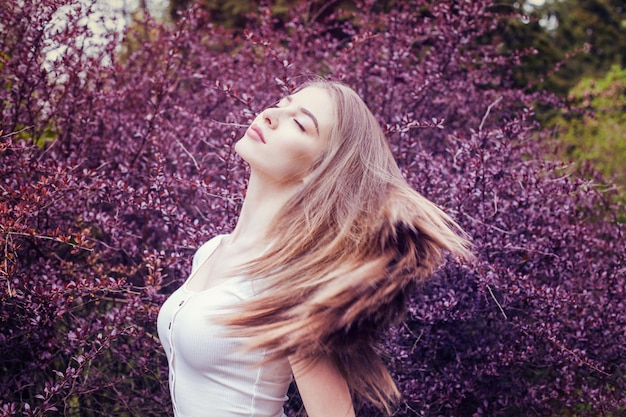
pixel 595 131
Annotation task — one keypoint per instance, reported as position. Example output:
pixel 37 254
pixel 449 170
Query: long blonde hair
pixel 346 249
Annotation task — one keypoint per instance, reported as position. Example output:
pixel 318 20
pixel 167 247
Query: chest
pixel 219 267
pixel 189 323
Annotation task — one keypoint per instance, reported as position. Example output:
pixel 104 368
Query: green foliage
pixel 597 24
pixel 596 131
pixel 571 39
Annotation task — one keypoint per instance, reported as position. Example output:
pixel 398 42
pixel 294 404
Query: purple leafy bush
pixel 117 163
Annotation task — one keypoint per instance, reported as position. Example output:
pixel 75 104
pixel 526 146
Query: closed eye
pixel 300 125
pixel 280 103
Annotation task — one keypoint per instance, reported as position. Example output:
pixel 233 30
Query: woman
pixel 329 240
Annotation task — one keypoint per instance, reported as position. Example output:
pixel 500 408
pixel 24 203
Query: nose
pixel 270 117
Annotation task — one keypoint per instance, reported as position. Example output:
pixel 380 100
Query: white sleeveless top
pixel 209 374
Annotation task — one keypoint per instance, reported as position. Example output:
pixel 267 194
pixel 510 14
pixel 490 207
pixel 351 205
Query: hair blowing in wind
pixel 345 252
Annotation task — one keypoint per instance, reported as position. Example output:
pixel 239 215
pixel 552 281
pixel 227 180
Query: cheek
pixel 300 162
pixel 304 153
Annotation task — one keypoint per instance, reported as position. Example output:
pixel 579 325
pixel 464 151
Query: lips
pixel 255 133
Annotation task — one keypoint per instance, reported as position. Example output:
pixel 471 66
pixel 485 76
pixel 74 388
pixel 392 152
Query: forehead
pixel 318 101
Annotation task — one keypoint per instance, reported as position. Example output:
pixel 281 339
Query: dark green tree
pixel 572 39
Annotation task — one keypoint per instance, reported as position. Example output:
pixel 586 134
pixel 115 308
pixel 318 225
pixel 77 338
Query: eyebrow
pixel 307 113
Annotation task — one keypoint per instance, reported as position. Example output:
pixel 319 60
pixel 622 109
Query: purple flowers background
pixel 116 163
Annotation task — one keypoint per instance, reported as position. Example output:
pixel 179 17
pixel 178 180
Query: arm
pixel 322 388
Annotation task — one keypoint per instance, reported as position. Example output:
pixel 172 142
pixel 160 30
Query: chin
pixel 238 146
pixel 244 151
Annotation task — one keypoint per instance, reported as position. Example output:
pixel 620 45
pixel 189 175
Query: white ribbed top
pixel 209 374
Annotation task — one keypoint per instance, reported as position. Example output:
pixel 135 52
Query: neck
pixel 264 199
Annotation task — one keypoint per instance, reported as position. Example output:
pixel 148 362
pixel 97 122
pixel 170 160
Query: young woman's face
pixel 284 141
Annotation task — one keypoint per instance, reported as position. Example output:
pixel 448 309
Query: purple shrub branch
pixel 117 163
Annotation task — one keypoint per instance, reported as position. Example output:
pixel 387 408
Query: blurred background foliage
pixel 593 31
pixel 573 39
